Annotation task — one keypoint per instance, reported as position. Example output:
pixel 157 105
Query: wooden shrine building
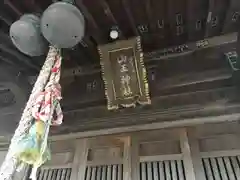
pixel 191 129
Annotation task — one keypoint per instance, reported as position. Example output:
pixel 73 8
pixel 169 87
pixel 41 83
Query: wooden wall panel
pixel 110 172
pixel 54 174
pixel 224 168
pixel 220 143
pixel 160 148
pixel 104 154
pixel 60 159
pixel 162 170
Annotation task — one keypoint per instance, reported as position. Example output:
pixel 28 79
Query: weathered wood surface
pixel 193 85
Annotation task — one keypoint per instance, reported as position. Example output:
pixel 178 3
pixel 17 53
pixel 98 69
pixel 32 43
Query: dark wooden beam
pixel 12 62
pixel 204 104
pixel 94 28
pixel 19 56
pixel 91 48
pixel 130 16
pixel 33 5
pixel 195 16
pixel 231 17
pixel 83 97
pixel 208 25
pixel 5 19
pixel 7 47
pixel 111 17
pixel 155 56
pixel 238 39
pixel 13 7
pixel 149 14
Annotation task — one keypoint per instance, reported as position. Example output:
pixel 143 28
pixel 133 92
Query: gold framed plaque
pixel 124 73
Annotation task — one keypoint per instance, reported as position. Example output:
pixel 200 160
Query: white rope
pixel 11 163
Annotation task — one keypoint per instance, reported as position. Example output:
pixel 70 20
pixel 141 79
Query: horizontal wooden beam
pixel 152 126
pixel 192 47
pixel 155 158
pixel 167 53
pixel 158 86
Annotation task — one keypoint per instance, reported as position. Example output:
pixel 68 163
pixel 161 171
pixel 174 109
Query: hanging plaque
pixel 124 74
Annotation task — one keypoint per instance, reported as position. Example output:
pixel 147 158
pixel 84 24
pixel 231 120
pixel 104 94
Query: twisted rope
pixel 11 163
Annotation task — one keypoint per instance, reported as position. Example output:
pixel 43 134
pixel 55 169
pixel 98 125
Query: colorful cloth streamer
pixel 46 110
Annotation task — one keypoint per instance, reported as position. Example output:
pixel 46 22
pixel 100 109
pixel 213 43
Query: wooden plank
pixel 120 171
pixel 143 171
pixel 79 164
pixel 195 153
pixel 235 166
pixel 59 171
pixel 50 173
pixel 94 172
pixel 187 155
pixel 93 24
pixel 155 171
pixel 220 153
pixel 149 170
pixel 167 170
pixel 229 169
pixel 109 172
pixel 105 162
pixel 151 126
pixel 114 172
pixel 208 169
pixel 222 168
pixel 173 170
pixel 62 175
pixel 215 169
pixel 55 171
pixel 104 173
pixel 99 169
pixel 161 170
pixel 180 170
pixel 62 166
pixel 131 158
pixel 45 174
pixel 41 174
pixel 130 16
pixel 89 172
pixel 68 175
pixel 160 158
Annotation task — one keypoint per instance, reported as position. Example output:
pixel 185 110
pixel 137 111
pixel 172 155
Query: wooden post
pixel 131 159
pixel 191 155
pixel 79 164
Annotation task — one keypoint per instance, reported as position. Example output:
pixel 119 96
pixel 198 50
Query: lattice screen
pixel 54 174
pixel 163 170
pixel 222 168
pixel 110 172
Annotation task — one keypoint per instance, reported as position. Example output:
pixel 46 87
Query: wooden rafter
pixel 5 19
pixel 238 40
pixel 96 30
pixel 13 7
pixel 209 18
pixel 130 16
pixel 191 17
pixel 149 13
pixel 234 7
pixel 110 15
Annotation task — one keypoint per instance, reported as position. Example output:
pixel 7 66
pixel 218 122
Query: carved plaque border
pixel 108 74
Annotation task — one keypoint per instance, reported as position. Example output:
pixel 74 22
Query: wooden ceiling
pixel 186 80
pixel 160 23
